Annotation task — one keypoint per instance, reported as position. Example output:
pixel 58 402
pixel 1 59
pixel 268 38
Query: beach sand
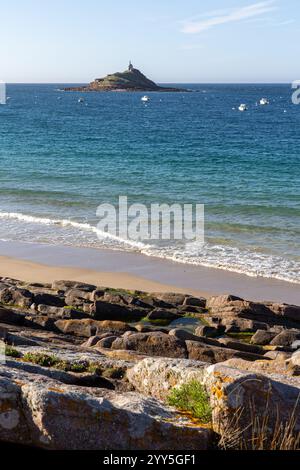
pixel 108 268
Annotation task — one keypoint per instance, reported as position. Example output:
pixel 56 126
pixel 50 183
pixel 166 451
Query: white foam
pixel 227 258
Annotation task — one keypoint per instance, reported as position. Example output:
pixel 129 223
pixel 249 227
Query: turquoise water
pixel 60 159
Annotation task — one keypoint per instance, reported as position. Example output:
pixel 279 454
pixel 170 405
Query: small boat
pixel 145 99
pixel 243 107
pixel 81 100
pixel 264 102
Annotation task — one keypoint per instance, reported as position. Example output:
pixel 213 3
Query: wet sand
pixel 46 263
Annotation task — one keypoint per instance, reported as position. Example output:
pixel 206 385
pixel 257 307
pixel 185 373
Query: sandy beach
pixel 45 263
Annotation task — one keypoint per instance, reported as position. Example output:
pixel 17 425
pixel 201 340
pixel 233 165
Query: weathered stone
pixel 195 301
pixel 157 376
pixel 250 399
pixel 290 312
pixel 160 314
pixel 214 354
pixel 40 322
pixel 239 346
pixel 48 299
pixel 89 327
pixel 262 337
pixel 286 338
pixel 45 413
pixel 16 296
pixel 65 285
pixel 172 298
pixel 221 300
pixel 152 344
pixel 10 317
pixel 106 311
pixel 141 328
pixel 92 341
pixel 107 342
pixel 210 331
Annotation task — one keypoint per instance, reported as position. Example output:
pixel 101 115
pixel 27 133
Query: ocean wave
pixel 225 257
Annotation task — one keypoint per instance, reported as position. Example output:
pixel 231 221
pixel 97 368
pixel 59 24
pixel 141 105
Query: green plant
pixel 41 359
pixel 192 398
pixel 11 352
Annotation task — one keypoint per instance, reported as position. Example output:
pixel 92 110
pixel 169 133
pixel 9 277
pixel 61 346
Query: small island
pixel 130 80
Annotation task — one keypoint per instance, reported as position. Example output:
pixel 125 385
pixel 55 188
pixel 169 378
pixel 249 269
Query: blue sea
pixel 60 159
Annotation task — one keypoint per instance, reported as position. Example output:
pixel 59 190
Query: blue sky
pixel 188 41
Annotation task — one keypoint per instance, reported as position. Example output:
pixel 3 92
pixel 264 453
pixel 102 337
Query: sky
pixel 171 41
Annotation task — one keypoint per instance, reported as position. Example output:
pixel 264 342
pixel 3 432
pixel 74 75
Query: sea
pixel 62 156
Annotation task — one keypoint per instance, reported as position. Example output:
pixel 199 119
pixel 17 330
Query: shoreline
pixel 45 263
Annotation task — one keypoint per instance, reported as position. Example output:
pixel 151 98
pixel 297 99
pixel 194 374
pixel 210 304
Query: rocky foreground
pixel 87 367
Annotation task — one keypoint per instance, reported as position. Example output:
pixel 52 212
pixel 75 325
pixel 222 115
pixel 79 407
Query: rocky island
pixel 130 80
pixel 111 368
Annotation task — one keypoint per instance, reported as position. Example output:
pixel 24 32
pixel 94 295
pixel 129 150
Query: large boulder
pixel 45 298
pixel 41 412
pixel 10 317
pixel 152 344
pixel 88 327
pixel 214 354
pixel 106 311
pixel 288 312
pixel 66 285
pixel 16 296
pixel 246 403
pixel 286 338
pixel 158 376
pixel 262 337
pixel 239 346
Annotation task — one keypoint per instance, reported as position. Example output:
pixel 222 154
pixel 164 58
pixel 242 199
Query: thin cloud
pixel 239 14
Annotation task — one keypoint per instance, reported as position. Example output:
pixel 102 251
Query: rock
pixel 61 312
pixel 184 335
pixel 66 285
pixel 172 298
pixel 244 401
pixel 106 311
pixel 160 314
pixel 92 341
pixel 286 338
pixel 236 325
pixel 141 328
pixel 214 354
pixel 42 412
pixel 76 297
pixel 152 344
pixel 296 345
pixel 295 359
pixel 221 300
pixel 195 301
pixel 262 337
pixel 157 376
pixel 40 322
pixel 10 317
pixel 239 346
pixel 290 312
pixel 48 299
pixel 97 294
pixel 15 296
pixel 107 342
pixel 89 327
pixel 277 355
pixel 210 331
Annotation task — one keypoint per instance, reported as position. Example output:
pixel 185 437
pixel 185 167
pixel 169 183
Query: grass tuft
pixel 192 398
